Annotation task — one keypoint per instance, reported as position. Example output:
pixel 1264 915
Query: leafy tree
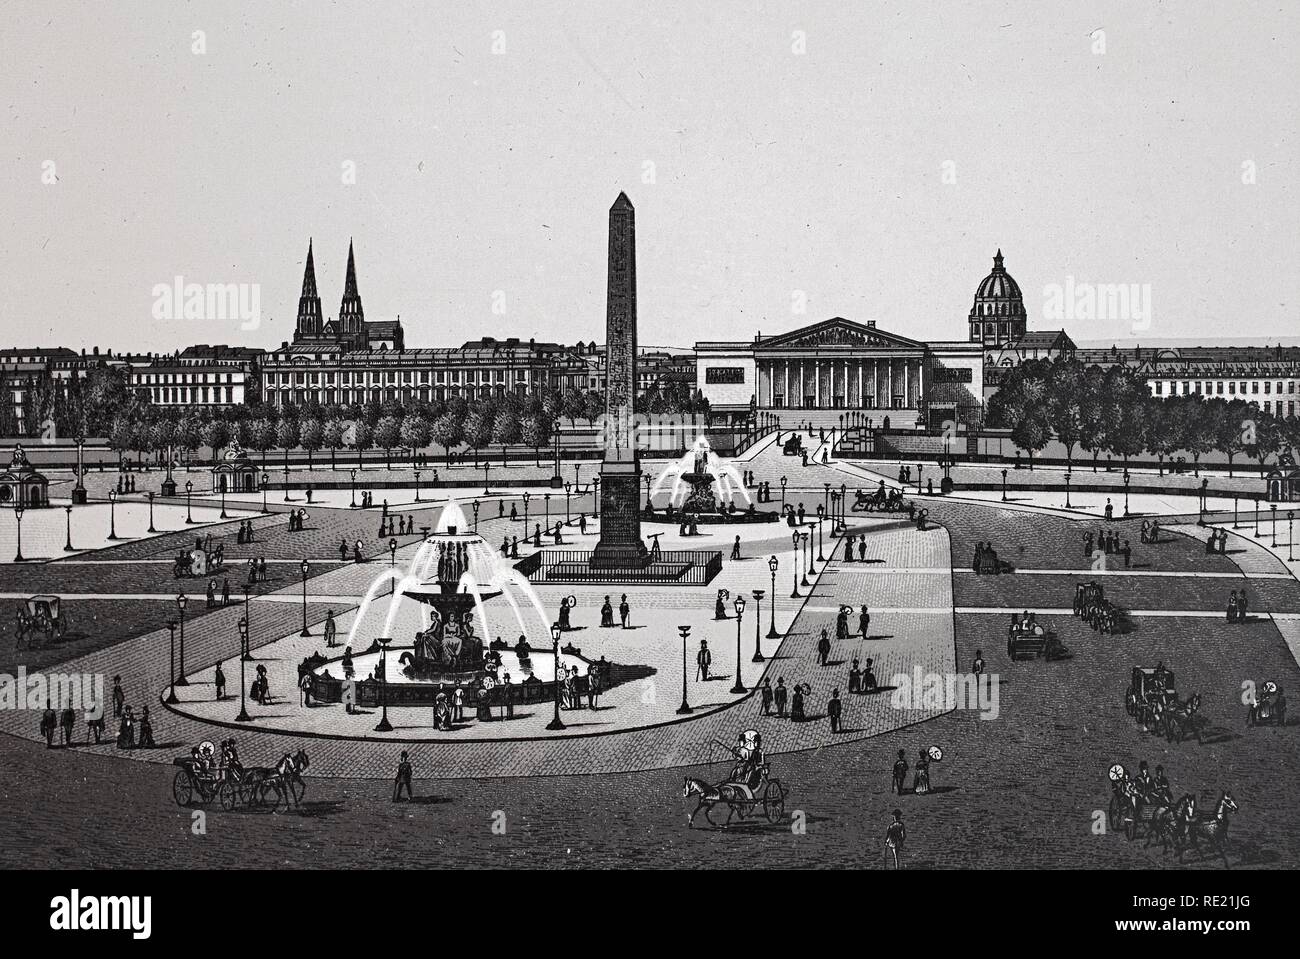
pixel 536 432
pixel 415 433
pixel 333 436
pixel 448 432
pixel 506 430
pixel 363 438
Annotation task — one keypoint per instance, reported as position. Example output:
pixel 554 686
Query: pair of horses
pixel 1177 826
pixel 1176 719
pixel 285 780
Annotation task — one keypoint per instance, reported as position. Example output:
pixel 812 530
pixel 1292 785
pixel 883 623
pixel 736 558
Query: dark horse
pixel 1214 830
pixel 285 781
pixel 726 793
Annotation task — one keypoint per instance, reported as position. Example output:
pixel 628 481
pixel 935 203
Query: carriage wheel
pixel 774 802
pixel 182 789
pixel 1115 810
pixel 229 795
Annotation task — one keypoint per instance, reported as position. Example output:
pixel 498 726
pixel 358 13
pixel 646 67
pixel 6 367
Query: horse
pixel 1181 717
pixel 1170 825
pixel 1215 829
pixel 710 796
pixel 286 779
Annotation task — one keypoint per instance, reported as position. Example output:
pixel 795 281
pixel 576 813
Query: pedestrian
pixel 624 611
pixel 781 695
pixel 1128 554
pixel 766 693
pixel 304 688
pixel 67 720
pixel 146 730
pixel 735 548
pixel 402 781
pixel 225 591
pixel 331 628
pixel 855 678
pixel 219 680
pixel 864 622
pixel 900 773
pixel 119 697
pixel 921 777
pixel 823 648
pixel 834 708
pixel 458 698
pixel 797 714
pixel 703 659
pixel 895 836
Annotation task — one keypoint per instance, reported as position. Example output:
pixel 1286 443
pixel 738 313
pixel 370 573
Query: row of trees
pixel 1112 411
pixel 84 404
pixel 475 424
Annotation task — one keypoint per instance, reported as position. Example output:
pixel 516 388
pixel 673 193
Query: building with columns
pixel 837 366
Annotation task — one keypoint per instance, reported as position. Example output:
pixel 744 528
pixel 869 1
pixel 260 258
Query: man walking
pixel 766 693
pixel 823 648
pixel 834 709
pixel 331 628
pixel 403 779
pixel 219 680
pixel 781 695
pixel 703 659
pixel 895 836
pixel 624 611
pixel 735 548
pixel 900 773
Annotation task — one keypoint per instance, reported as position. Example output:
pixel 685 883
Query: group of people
pixel 1108 542
pixel 245 533
pixel 256 570
pixel 842 623
pixel 1217 542
pixel 852 542
pixel 355 550
pixel 986 561
pixel 1150 531
pixel 394 524
pixel 920 775
pixel 1237 607
pixel 788 701
pixel 297 520
pixel 607 612
pixel 125 484
pixel 212 593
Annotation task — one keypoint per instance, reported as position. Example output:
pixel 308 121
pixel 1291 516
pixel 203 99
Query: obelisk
pixel 620 542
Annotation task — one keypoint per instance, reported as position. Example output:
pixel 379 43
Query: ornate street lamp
pixel 794 572
pixel 526 498
pixel 266 482
pixel 417 486
pixel 1067 489
pixel 151 529
pixel 1290 536
pixel 112 514
pixel 243 716
pixel 1273 509
pixel 354 488
pixel 475 505
pixel 486 467
pixel 685 708
pixel 384 726
pixel 783 482
pixel 179 678
pixel 808 557
pixel 1257 517
pixel 772 565
pixel 556 723
pixel 1126 482
pixel 739 604
pixel 821 518
pixel 648 504
pixel 392 553
pixel 546 501
pixel 920 468
pixel 189 489
pixel 247 652
pixel 305 567
pixel 1004 486
pixel 171 699
pixel 568 488
pixel 67 546
pixel 595 500
pixel 223 498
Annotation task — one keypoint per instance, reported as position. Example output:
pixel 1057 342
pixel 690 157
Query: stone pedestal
pixel 620 542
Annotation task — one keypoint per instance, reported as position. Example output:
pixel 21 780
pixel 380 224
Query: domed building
pixel 997 317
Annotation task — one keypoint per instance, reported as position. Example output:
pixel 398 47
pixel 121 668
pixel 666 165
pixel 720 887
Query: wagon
pixel 42 614
pixel 1026 643
pixel 742 802
pixel 194 785
pixel 1150 691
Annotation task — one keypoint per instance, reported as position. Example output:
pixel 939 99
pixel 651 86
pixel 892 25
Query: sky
pixel 788 163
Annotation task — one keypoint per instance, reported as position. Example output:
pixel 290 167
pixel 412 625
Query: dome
pixel 999 284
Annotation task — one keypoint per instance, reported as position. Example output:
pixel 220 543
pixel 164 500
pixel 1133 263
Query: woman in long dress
pixel 796 704
pixel 921 782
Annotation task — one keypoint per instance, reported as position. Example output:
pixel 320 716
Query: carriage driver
pixel 749 759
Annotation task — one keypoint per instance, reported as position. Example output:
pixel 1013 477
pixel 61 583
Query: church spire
pixel 309 323
pixel 351 315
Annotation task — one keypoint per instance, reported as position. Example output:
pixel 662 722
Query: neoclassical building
pixel 839 365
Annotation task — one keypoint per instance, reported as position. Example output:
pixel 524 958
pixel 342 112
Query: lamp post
pixel 568 488
pixel 383 726
pixel 243 716
pixel 783 482
pixel 595 500
pixel 546 501
pixel 772 564
pixel 739 604
pixel 305 567
pixel 1234 511
pixel 685 708
pixel 417 486
pixel 758 626
pixel 18 518
pixel 794 538
pixel 171 699
pixel 286 474
pixel 223 498
pixel 392 553
pixel 1290 536
pixel 920 468
pixel 1004 486
pixel 178 678
pixel 1273 509
pixel 807 557
pixel 526 497
pixel 475 506
pixel 1205 501
pixel 247 653
pixel 844 492
pixel 556 723
pixel 1256 517
pixel 1067 489
pixel 67 546
pixel 112 514
pixel 1126 482
pixel 486 467
pixel 189 490
pixel 826 499
pixel 354 487
pixel 821 518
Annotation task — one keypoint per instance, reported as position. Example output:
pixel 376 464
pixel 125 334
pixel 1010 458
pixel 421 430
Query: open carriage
pixel 741 800
pixel 207 557
pixel 1150 692
pixel 1028 639
pixel 43 615
pixel 1269 709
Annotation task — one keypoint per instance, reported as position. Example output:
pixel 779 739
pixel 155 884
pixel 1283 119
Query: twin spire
pixel 351 315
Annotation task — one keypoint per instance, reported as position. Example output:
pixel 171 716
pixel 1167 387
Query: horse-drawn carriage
pixel 793 446
pixel 749 789
pixel 203 776
pixel 1149 809
pixel 1269 709
pixel 1027 639
pixel 44 615
pixel 881 501
pixel 207 557
pixel 1152 700
pixel 1091 605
